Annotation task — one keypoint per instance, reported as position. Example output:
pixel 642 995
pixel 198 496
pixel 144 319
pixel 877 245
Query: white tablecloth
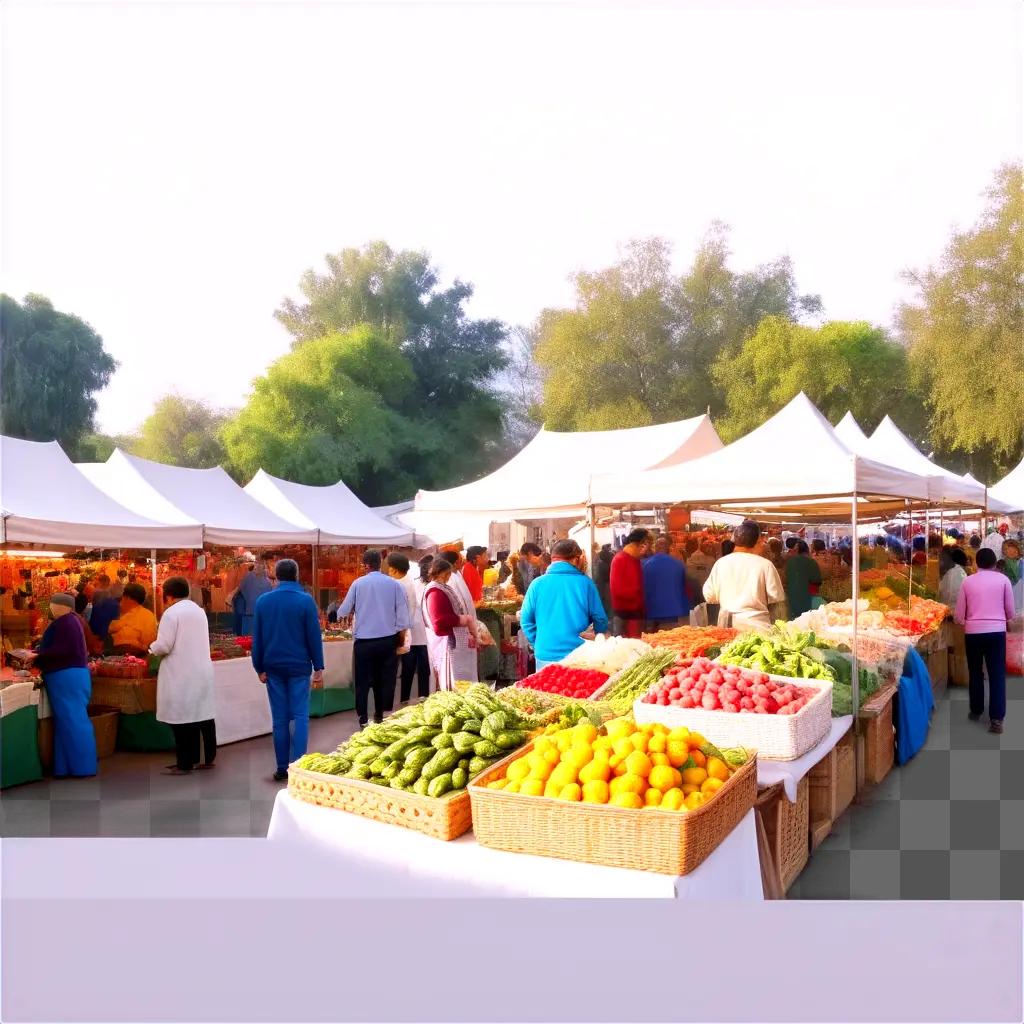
pixel 338 664
pixel 378 860
pixel 789 773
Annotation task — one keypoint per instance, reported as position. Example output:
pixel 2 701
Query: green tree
pixel 99 447
pixel 454 360
pixel 51 366
pixel 839 366
pixel 639 345
pixel 182 432
pixel 335 409
pixel 964 330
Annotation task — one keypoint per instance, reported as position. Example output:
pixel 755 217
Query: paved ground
pixel 950 824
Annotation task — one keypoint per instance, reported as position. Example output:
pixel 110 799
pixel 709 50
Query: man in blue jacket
pixel 560 605
pixel 287 648
pixel 665 599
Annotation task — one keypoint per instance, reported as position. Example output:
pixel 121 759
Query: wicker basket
pixel 104 727
pixel 774 737
pixel 446 817
pixel 787 826
pixel 648 839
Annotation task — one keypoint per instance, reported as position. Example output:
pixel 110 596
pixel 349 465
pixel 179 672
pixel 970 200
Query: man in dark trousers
pixel 287 649
pixel 381 633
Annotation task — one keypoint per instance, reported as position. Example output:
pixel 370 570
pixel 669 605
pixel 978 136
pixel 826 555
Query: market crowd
pixel 422 624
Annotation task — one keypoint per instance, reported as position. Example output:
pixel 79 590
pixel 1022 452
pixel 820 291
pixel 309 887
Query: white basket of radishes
pixel 781 718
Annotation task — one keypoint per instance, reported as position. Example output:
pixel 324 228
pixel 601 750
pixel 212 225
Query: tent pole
pixel 152 562
pixel 591 557
pixel 855 678
pixel 316 574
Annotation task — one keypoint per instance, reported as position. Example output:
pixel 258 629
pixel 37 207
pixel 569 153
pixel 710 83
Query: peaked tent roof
pixel 849 432
pixel 890 445
pixel 795 458
pixel 204 496
pixel 45 500
pixel 551 476
pixel 1010 490
pixel 335 511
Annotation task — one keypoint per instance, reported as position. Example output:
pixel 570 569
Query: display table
pixel 19 745
pixel 789 773
pixel 375 859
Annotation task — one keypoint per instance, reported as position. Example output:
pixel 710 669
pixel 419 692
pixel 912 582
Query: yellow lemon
pixel 623 747
pixel 597 769
pixel 579 756
pixel 657 744
pixel 595 792
pixel 698 758
pixel 694 776
pixel 661 759
pixel 532 787
pixel 518 769
pixel 672 800
pixel 661 730
pixel 647 729
pixel 602 743
pixel 631 800
pixel 678 752
pixel 639 741
pixel 694 800
pixel 551 755
pixel 680 735
pixel 620 769
pixel 662 778
pixel 632 784
pixel 639 763
pixel 562 776
pixel 543 743
pixel 652 798
pixel 717 769
pixel 587 731
pixel 540 772
pixel 513 786
pixel 696 740
pixel 602 754
pixel 571 792
pixel 551 789
pixel 619 727
pixel 563 742
pixel 497 784
pixel 687 789
pixel 711 786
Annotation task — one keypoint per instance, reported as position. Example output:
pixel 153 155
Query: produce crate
pixel 786 827
pixel 104 726
pixel 832 785
pixel 938 670
pixel 879 736
pixel 958 674
pixel 774 737
pixel 446 817
pixel 647 839
pixel 131 696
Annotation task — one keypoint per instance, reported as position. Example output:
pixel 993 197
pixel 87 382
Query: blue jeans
pixel 289 712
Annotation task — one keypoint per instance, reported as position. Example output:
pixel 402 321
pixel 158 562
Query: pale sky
pixel 170 170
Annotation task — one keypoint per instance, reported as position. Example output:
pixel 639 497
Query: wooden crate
pixel 879 736
pixel 958 674
pixel 832 787
pixel 786 828
pixel 938 670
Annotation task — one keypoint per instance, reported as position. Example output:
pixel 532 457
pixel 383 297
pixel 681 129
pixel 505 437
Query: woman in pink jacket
pixel 983 607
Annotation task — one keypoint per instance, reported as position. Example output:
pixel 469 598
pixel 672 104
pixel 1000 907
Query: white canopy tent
pixel 209 497
pixel 1010 490
pixel 849 432
pixel 551 477
pixel 45 500
pixel 794 465
pixel 338 515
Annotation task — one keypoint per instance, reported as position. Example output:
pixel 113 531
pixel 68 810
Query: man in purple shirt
pixel 983 607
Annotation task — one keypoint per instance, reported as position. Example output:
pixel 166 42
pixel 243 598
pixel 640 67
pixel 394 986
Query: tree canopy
pixel 964 331
pixel 649 339
pixel 51 366
pixel 182 432
pixel 839 366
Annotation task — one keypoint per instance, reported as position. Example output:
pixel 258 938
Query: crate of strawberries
pixel 781 718
pixel 578 683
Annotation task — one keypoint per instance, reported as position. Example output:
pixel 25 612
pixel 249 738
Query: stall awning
pixel 795 457
pixel 551 476
pixel 44 499
pixel 335 511
pixel 206 496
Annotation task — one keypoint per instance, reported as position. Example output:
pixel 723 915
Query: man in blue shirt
pixel 380 633
pixel 253 586
pixel 287 648
pixel 560 605
pixel 665 599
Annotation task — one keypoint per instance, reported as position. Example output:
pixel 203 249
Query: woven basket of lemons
pixel 647 797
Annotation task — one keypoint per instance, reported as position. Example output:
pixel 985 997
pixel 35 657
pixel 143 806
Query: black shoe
pixel 280 776
pixel 972 717
pixel 378 721
pixel 996 725
pixel 362 724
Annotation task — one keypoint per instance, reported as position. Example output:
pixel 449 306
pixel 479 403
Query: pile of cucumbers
pixel 431 748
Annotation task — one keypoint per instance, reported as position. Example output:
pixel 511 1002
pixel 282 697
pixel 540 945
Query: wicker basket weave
pixel 774 737
pixel 648 839
pixel 787 827
pixel 446 817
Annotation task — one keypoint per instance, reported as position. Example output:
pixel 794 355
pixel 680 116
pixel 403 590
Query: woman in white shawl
pixel 451 642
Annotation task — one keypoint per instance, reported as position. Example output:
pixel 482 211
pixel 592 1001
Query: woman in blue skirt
pixel 64 662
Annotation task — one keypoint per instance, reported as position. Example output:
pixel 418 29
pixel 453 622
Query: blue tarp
pixel 913 707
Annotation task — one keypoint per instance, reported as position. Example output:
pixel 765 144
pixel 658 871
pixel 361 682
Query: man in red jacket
pixel 627 584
